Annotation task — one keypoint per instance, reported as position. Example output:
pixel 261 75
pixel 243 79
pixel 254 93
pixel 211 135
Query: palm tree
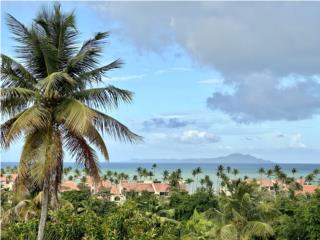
pixel 277 170
pixel 294 171
pixel 309 178
pixel 243 214
pixel 228 169
pixel 195 173
pixel 174 179
pixel 154 166
pixel 269 175
pixel 150 175
pixel 109 173
pixel 135 178
pixel 165 175
pixel 46 98
pixel 219 173
pixel 261 171
pixel 235 172
pixel 145 173
pixel 139 171
pixel 189 181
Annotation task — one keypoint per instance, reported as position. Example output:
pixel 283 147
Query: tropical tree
pixel 47 99
pixel 150 175
pixel 261 171
pixel 242 214
pixel 220 170
pixel 154 166
pixel 269 175
pixel 195 173
pixel 165 175
pixel 235 172
pixel 135 178
pixel 294 171
pixel 139 172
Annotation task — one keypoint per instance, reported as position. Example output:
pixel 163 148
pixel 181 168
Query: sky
pixel 210 78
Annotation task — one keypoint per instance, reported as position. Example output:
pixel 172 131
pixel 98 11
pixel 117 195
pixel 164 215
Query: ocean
pixel 250 170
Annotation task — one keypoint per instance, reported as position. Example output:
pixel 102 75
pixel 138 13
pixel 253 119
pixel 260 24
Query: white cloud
pixel 195 136
pixel 297 141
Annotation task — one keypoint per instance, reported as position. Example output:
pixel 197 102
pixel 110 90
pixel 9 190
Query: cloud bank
pixel 254 45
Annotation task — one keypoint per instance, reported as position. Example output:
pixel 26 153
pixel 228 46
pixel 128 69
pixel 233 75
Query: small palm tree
pixel 269 175
pixel 220 170
pixel 294 171
pixel 261 171
pixel 135 178
pixel 165 175
pixel 196 173
pixel 189 181
pixel 154 166
pixel 139 171
pixel 150 175
pixel 48 99
pixel 235 172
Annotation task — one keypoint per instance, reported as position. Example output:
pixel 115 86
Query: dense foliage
pixel 241 210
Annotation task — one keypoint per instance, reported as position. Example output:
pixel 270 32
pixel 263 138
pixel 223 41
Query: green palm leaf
pixel 106 97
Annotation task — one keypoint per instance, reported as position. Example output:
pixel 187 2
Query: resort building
pixel 118 191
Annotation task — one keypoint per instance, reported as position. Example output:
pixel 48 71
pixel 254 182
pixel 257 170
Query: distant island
pixel 235 158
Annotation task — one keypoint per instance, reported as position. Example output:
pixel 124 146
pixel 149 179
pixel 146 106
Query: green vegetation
pixel 238 210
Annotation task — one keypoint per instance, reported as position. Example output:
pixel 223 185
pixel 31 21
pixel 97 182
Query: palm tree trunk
pixel 54 196
pixel 54 192
pixel 44 210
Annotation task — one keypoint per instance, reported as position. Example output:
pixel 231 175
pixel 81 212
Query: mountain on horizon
pixel 231 158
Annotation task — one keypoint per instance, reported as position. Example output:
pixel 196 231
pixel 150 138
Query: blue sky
pixel 209 78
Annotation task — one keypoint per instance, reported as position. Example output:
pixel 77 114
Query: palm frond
pixel 114 128
pixel 95 75
pixel 14 74
pixel 87 57
pixel 32 119
pixel 228 232
pixel 56 84
pixel 257 229
pixel 74 115
pixel 82 152
pixel 95 138
pixel 15 100
pixel 35 49
pixel 60 28
pixel 107 97
pixel 5 128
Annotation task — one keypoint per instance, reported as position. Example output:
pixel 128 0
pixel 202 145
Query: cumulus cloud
pixel 165 122
pixel 258 98
pixel 195 136
pixel 243 41
pixel 297 141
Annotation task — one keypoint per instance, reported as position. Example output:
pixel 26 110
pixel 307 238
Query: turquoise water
pixel 249 170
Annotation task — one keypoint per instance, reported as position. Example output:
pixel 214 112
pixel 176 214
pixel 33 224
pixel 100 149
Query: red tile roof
pixel 162 187
pixel 68 186
pixel 137 187
pixel 310 188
